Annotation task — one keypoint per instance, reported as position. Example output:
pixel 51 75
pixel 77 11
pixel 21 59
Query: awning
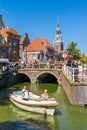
pixel 4 60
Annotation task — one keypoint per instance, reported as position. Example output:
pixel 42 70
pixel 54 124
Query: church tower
pixel 58 44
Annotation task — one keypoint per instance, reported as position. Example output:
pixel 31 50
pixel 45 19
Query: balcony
pixel 3 45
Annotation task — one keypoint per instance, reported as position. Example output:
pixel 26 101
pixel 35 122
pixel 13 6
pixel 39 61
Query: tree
pixel 74 51
pixel 84 60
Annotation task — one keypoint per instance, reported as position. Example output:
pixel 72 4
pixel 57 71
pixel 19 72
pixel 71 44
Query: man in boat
pixel 25 93
pixel 24 89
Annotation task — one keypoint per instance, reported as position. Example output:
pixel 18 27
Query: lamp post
pixel 45 58
pixel 25 56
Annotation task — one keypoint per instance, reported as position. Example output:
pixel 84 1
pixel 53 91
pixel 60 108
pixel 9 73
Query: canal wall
pixel 66 86
pixel 77 95
pixel 6 79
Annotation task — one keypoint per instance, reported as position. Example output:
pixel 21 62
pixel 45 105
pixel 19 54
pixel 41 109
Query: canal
pixel 68 117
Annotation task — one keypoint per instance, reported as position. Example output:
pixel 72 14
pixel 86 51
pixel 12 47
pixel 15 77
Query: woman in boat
pixel 44 95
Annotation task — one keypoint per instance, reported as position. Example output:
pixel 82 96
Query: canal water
pixel 67 117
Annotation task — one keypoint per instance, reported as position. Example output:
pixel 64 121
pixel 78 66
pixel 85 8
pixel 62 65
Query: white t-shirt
pixel 26 95
pixel 80 69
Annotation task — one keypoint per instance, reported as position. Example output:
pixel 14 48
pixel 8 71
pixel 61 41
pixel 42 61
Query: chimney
pixel 1 23
pixel 0 16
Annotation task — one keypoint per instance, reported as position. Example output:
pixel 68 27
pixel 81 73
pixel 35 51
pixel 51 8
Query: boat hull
pixel 43 107
pixel 34 109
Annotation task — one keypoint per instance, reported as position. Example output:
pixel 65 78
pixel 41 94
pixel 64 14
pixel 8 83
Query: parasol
pixel 69 57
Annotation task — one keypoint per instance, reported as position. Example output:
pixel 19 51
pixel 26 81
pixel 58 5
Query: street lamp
pixel 45 57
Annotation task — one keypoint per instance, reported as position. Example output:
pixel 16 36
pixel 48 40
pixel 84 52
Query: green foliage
pixel 74 51
pixel 84 60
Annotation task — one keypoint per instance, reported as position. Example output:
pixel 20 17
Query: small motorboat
pixel 34 104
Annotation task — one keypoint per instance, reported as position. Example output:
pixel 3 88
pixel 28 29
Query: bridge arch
pixel 21 76
pixel 35 75
pixel 48 74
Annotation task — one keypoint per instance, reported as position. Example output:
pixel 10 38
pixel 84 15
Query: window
pixel 14 51
pixel 1 40
pixel 3 51
pixel 34 57
pixel 10 42
pixel 14 43
pixel 38 56
pixel 9 50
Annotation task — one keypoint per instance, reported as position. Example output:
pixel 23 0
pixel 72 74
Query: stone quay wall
pixel 77 95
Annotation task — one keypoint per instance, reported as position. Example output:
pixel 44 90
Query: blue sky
pixel 39 19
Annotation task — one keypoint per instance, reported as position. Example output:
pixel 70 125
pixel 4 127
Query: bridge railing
pixel 75 75
pixel 43 65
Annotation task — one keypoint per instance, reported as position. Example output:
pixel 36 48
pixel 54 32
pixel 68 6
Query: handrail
pixel 74 74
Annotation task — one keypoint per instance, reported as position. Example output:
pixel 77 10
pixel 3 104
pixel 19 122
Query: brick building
pixel 9 42
pixel 12 44
pixel 39 49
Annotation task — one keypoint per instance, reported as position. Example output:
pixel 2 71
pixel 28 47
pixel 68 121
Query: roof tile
pixel 38 44
pixel 4 31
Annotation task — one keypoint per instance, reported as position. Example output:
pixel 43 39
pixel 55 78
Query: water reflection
pixel 67 117
pixel 42 121
pixel 13 118
pixel 29 121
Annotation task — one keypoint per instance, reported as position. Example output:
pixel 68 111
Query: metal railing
pixel 74 74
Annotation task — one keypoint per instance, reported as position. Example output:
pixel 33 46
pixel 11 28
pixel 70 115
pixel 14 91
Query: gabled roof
pixel 38 45
pixel 22 38
pixel 4 31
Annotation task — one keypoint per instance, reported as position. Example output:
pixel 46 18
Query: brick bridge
pixel 76 94
pixel 35 74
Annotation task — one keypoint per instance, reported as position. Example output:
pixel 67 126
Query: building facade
pixel 12 45
pixel 9 44
pixel 40 50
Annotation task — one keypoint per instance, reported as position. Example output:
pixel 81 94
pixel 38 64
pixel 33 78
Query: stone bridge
pixel 76 94
pixel 37 74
